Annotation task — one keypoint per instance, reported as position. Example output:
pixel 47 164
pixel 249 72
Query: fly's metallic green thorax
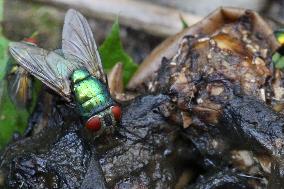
pixel 92 96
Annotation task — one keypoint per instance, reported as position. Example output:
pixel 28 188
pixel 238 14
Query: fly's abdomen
pixel 90 93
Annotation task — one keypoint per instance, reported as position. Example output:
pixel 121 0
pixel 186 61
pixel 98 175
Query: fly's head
pixel 104 121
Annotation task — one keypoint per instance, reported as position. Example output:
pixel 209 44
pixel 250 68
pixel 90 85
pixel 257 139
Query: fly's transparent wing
pixel 49 67
pixel 19 86
pixel 78 44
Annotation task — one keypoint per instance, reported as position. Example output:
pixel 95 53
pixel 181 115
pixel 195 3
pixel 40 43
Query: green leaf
pixel 3 46
pixel 183 22
pixel 11 119
pixel 3 56
pixel 280 63
pixel 276 56
pixel 112 52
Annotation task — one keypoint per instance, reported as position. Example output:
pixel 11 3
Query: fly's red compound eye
pixel 116 111
pixel 94 124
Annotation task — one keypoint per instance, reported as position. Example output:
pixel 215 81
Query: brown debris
pixel 187 120
pixel 229 55
pixel 218 21
pixel 115 81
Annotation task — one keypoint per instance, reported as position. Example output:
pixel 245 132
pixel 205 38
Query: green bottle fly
pixel 74 72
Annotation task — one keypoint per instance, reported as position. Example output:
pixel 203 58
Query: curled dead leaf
pixel 115 79
pixel 207 26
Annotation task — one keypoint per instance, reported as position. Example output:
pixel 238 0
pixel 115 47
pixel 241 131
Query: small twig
pixel 154 19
